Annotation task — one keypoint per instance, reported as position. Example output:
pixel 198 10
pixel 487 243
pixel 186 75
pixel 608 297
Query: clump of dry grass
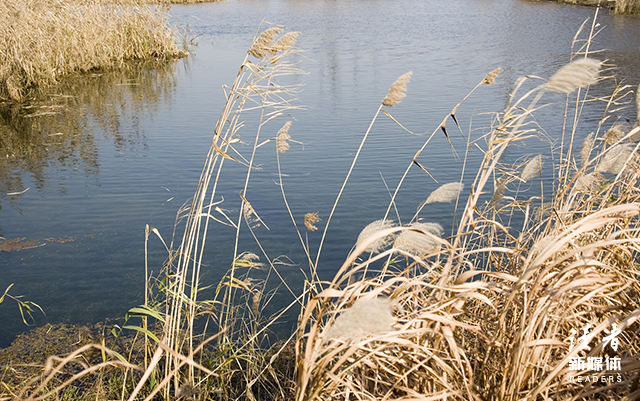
pixel 627 6
pixel 41 40
pixel 490 314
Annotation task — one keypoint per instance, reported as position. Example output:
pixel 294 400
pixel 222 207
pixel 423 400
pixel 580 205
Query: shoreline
pixel 622 7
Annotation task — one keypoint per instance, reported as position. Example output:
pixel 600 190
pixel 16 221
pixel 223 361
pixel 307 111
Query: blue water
pixel 133 144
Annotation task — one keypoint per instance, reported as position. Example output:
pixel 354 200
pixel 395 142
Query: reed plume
pixel 283 136
pixel 577 74
pixel 416 242
pixel 263 45
pixel 614 134
pixel 531 169
pixel 398 90
pixel 285 41
pixel 310 219
pixel 589 182
pixel 490 78
pixel 614 160
pixel 445 193
pixel 367 317
pixel 587 146
pixel 370 230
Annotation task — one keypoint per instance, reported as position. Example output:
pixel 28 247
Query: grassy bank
pixel 627 6
pixel 535 288
pixel 619 6
pixel 42 40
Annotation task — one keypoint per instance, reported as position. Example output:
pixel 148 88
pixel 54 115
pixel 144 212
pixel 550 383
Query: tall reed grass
pixel 627 7
pixel 42 40
pixel 503 308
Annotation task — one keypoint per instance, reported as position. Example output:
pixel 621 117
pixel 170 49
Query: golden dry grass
pixel 42 40
pixel 494 311
pixel 627 6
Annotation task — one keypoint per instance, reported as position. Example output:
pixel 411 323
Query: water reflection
pixel 59 128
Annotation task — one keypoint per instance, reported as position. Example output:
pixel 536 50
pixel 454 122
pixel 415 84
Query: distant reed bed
pixel 533 295
pixel 627 6
pixel 42 40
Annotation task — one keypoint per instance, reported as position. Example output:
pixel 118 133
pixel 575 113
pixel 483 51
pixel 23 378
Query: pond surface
pixel 113 151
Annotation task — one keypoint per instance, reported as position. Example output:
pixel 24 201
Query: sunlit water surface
pixel 122 149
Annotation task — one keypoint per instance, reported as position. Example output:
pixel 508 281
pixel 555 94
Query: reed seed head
pixel 262 46
pixel 490 78
pixel 576 74
pixel 285 42
pixel 614 159
pixel 417 243
pixel 589 182
pixel 283 136
pixel 614 134
pixel 587 146
pixel 445 193
pixel 310 219
pixel 250 215
pixel 398 90
pixel 532 169
pixel 499 187
pixel 255 302
pixel 372 229
pixel 367 317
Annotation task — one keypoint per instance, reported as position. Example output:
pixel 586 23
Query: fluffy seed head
pixel 587 146
pixel 286 41
pixel 310 219
pixel 445 193
pixel 417 243
pixel 576 74
pixel 589 182
pixel 367 317
pixel 263 44
pixel 283 136
pixel 372 229
pixel 490 78
pixel 532 168
pixel 398 90
pixel 614 134
pixel 614 160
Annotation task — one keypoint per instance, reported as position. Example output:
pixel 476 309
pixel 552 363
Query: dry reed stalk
pixel 256 83
pixel 490 317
